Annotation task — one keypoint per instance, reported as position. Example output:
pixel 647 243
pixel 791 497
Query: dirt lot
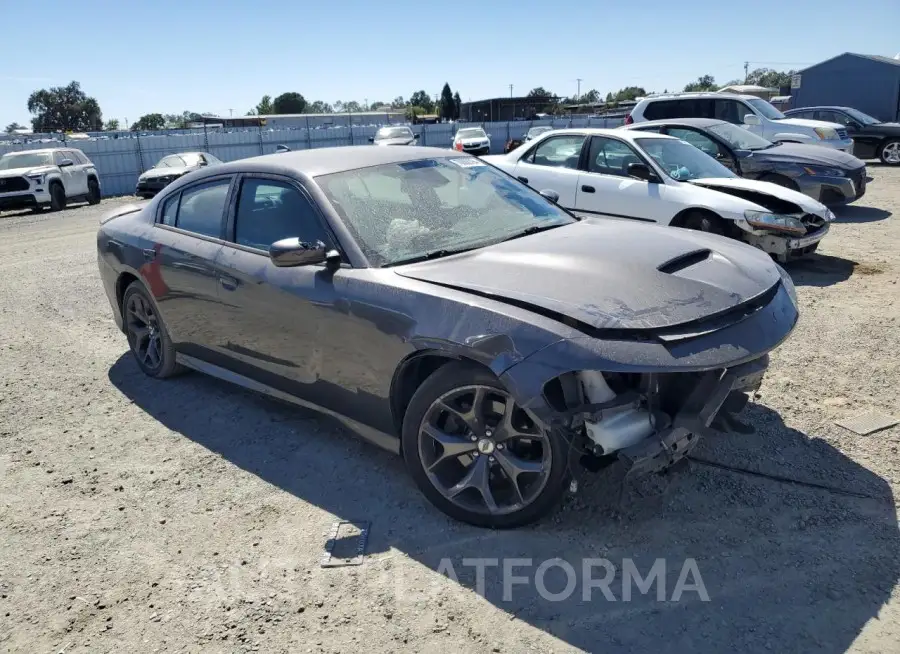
pixel 187 515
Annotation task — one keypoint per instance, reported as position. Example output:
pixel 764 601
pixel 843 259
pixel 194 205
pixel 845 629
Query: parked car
pixel 872 139
pixel 824 174
pixel 170 168
pixel 472 140
pixel 534 132
pixel 651 177
pixel 757 115
pixel 38 179
pixel 512 144
pixel 447 312
pixel 394 136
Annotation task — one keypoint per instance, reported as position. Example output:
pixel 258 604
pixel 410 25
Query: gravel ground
pixel 188 515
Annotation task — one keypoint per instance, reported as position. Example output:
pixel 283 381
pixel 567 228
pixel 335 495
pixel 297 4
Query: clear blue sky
pixel 168 56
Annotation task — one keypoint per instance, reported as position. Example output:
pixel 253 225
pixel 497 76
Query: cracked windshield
pixel 409 210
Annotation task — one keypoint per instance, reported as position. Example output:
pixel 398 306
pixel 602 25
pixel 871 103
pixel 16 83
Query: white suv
pixel 47 178
pixel 750 112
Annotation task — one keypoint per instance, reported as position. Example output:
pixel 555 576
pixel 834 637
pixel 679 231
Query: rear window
pixel 685 108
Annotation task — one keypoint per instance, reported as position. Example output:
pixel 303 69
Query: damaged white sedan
pixel 655 178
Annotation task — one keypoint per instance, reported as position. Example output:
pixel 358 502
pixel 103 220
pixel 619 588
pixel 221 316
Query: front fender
pixel 739 342
pixel 793 137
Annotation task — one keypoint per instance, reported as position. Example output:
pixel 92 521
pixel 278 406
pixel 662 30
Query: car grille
pixel 842 134
pixel 10 184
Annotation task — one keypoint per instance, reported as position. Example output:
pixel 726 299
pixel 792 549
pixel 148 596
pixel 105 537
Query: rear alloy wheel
pixel 57 197
pixel 147 336
pixel 93 196
pixel 890 153
pixel 705 222
pixel 477 455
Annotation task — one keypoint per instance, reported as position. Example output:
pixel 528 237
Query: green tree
pixel 422 99
pixel 289 103
pixel 591 97
pixel 12 127
pixel 413 111
pixel 398 103
pixel 319 107
pixel 771 79
pixel 447 106
pixel 703 83
pixel 610 97
pixel 264 107
pixel 379 106
pixel 457 106
pixel 352 107
pixel 539 92
pixel 112 125
pixel 149 122
pixel 628 93
pixel 65 108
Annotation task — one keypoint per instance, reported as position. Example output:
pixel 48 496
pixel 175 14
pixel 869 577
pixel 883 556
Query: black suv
pixel 872 139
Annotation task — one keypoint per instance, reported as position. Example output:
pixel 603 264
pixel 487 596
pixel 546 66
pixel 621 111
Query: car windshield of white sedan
pixel 471 133
pixel 739 138
pixel 682 162
pixel 394 133
pixel 172 161
pixel 26 160
pixel 412 209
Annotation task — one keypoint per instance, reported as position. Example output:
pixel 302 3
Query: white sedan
pixel 472 140
pixel 661 179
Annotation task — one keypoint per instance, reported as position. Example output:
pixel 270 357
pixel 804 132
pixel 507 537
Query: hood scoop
pixel 683 261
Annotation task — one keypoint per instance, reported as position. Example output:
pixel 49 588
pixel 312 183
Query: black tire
pixel 705 222
pixel 37 209
pixel 57 197
pixel 889 152
pixel 93 196
pixel 161 364
pixel 543 491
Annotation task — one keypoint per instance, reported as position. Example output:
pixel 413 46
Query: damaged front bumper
pixel 786 248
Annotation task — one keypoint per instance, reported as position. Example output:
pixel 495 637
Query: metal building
pixel 506 109
pixel 869 83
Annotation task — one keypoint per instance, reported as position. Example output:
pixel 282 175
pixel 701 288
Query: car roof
pixel 820 106
pixel 700 94
pixel 41 151
pixel 628 135
pixel 687 122
pixel 325 161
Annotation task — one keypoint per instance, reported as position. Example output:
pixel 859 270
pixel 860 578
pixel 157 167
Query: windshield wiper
pixel 534 229
pixel 427 256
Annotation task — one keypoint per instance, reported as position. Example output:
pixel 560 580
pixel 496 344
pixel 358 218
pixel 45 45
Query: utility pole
pixel 366 106
pixel 746 71
pixel 510 90
pixel 578 94
pixel 230 113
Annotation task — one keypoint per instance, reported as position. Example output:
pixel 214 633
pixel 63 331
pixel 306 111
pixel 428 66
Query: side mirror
pixel 642 171
pixel 203 162
pixel 371 139
pixel 551 195
pixel 416 137
pixel 66 162
pixel 282 148
pixel 293 252
pixel 751 119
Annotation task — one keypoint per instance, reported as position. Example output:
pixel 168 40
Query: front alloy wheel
pixel 147 335
pixel 477 455
pixel 890 153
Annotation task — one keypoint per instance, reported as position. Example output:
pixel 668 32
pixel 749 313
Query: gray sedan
pixel 449 313
pixel 170 168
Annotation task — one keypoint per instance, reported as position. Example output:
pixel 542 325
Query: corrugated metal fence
pixel 121 160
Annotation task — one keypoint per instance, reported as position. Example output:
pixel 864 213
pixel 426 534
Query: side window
pixel 80 158
pixel 695 138
pixel 170 210
pixel 659 110
pixel 742 110
pixel 832 117
pixel 58 157
pixel 201 208
pixel 559 151
pixel 610 157
pixel 270 210
pixel 731 111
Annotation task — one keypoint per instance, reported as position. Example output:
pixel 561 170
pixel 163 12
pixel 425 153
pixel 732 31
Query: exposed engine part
pixel 617 427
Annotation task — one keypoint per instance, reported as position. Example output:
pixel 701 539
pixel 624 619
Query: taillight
pixel 628 119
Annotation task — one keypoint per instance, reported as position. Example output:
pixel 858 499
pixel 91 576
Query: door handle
pixel 149 254
pixel 524 180
pixel 587 189
pixel 228 282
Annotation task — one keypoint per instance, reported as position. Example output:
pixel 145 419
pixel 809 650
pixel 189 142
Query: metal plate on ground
pixel 867 423
pixel 346 544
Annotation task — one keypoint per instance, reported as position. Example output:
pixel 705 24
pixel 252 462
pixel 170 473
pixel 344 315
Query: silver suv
pixel 35 179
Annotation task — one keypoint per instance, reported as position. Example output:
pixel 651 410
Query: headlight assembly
pixel 823 172
pixel 38 179
pixel 788 284
pixel 774 222
pixel 826 133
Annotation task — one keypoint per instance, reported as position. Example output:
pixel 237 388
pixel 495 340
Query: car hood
pixel 806 122
pixel 19 172
pixel 808 154
pixel 773 197
pixel 607 274
pixel 402 140
pixel 475 140
pixel 169 171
